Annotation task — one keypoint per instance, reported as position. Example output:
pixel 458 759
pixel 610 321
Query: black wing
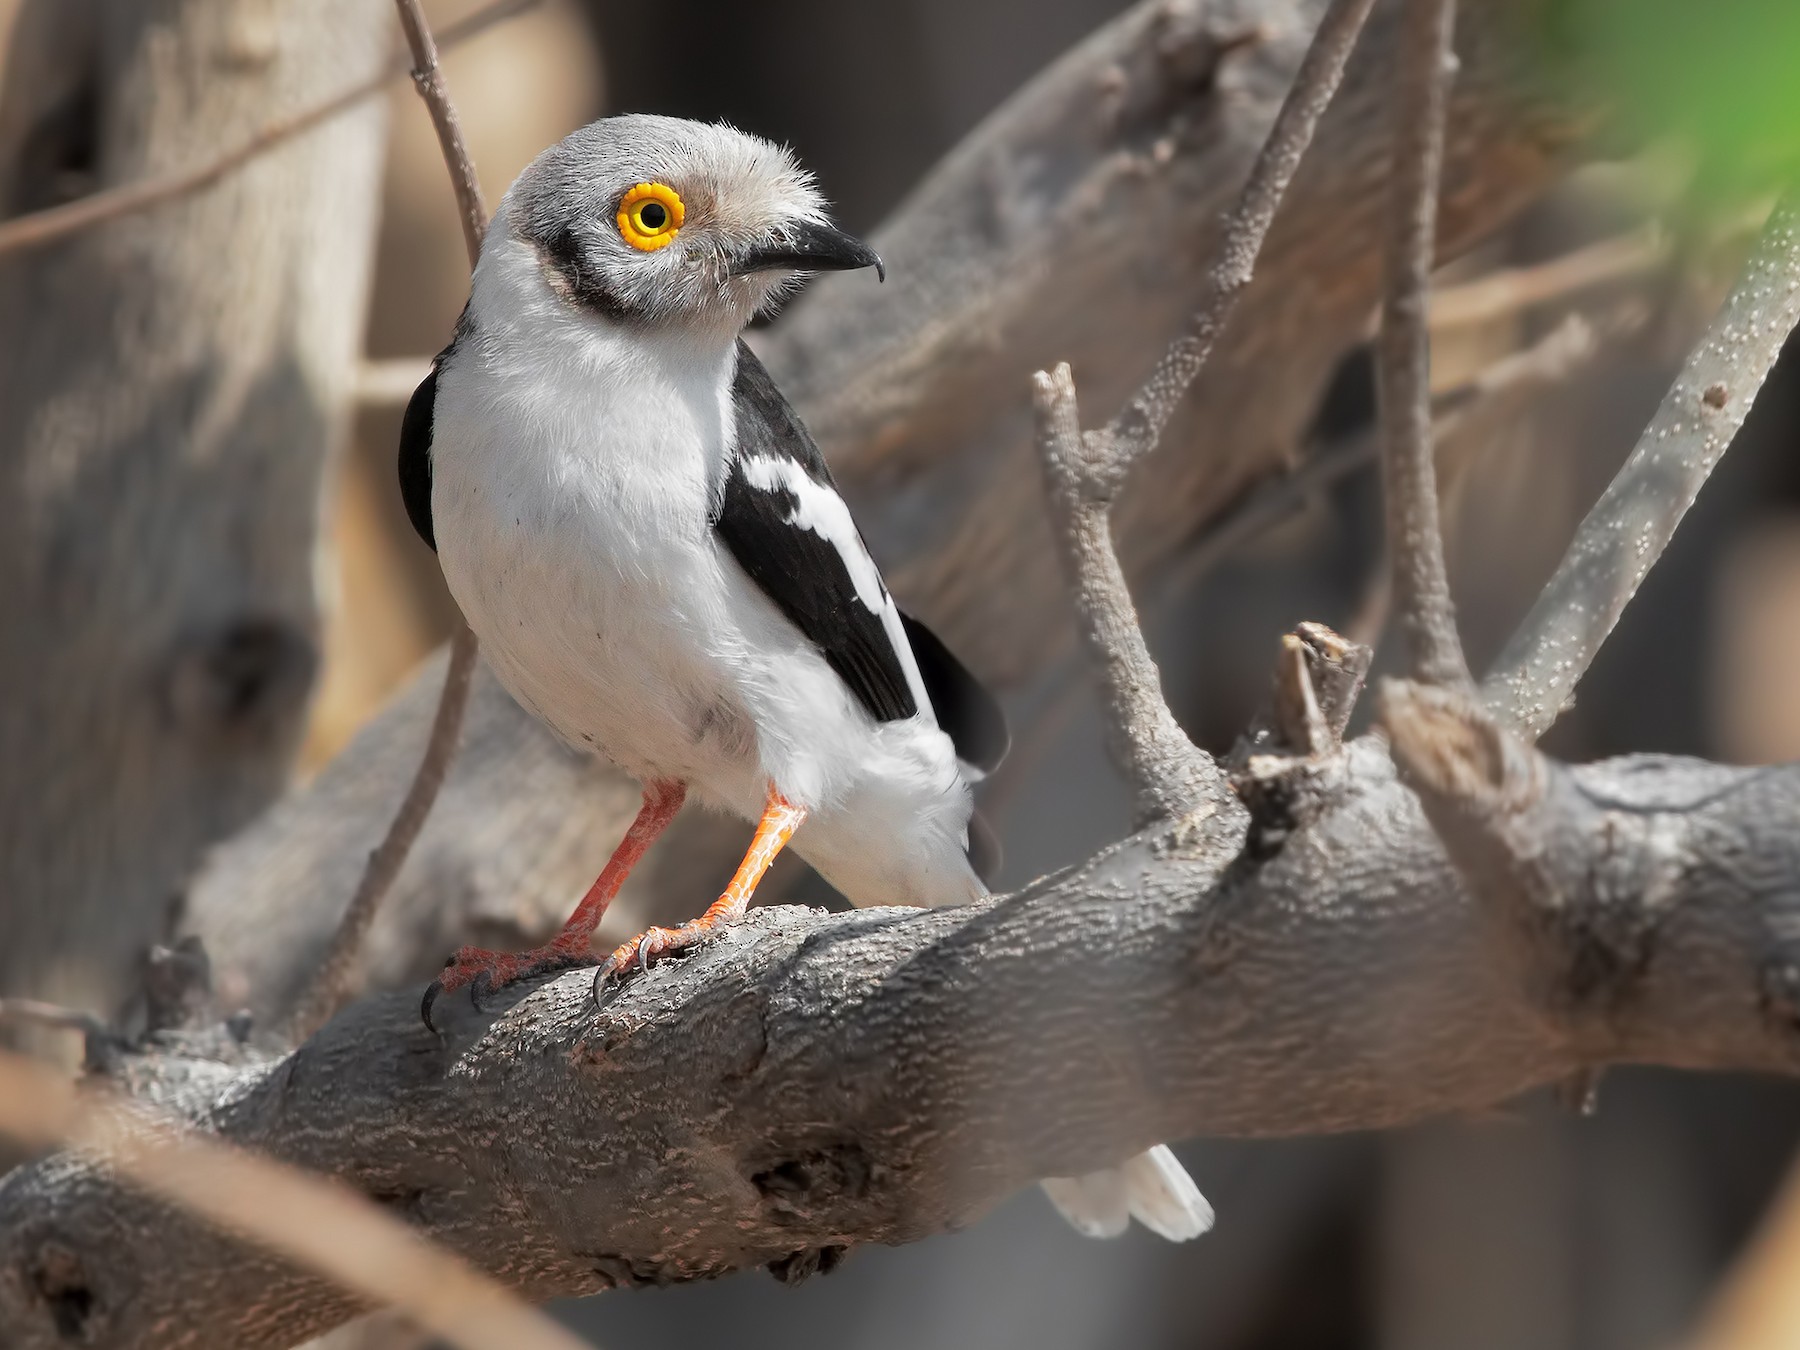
pixel 415 456
pixel 801 559
pixel 415 439
pixel 967 712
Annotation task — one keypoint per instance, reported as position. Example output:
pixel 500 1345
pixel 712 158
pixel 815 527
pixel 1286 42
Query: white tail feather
pixel 1152 1188
pixel 1094 1204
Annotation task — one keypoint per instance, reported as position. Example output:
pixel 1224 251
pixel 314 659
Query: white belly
pixel 594 586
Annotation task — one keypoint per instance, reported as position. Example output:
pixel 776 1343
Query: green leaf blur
pixel 1722 74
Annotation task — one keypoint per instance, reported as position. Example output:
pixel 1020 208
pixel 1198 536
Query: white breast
pixel 572 470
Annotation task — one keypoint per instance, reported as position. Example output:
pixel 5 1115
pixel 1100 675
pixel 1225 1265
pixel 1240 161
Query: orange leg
pixel 484 971
pixel 780 818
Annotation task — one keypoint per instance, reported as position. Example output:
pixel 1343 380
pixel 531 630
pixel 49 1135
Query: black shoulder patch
pixel 415 456
pixel 969 714
pixel 766 422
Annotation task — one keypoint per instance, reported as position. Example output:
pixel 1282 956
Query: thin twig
pixel 1494 391
pixel 1140 422
pixel 1631 524
pixel 331 986
pixel 315 1222
pixel 1515 290
pixel 428 78
pixel 1422 603
pixel 57 222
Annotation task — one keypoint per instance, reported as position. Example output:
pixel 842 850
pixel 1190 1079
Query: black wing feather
pixel 967 712
pixel 415 457
pixel 799 569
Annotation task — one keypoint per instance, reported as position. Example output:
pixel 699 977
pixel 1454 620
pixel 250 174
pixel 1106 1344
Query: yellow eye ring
pixel 650 216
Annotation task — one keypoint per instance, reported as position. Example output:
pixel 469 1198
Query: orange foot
pixel 484 971
pixel 780 819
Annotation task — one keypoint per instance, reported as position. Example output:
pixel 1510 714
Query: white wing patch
pixel 820 509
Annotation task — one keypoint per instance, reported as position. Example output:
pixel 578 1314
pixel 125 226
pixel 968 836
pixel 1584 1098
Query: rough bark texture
pixel 167 425
pixel 882 1075
pixel 1007 259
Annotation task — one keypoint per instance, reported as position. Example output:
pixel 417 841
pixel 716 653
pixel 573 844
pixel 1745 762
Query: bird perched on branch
pixel 651 549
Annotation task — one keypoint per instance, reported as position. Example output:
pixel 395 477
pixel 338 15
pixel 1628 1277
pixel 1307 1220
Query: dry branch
pixel 168 422
pixel 1631 524
pixel 327 1228
pixel 1167 775
pixel 1139 424
pixel 817 1081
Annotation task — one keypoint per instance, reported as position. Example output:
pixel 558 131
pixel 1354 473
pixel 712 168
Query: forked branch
pixel 1167 774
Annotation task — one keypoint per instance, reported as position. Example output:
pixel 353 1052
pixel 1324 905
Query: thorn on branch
pixel 1286 772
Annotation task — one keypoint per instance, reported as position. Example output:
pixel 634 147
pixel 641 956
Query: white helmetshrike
pixel 651 549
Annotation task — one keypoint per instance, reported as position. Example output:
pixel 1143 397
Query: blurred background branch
pixel 331 986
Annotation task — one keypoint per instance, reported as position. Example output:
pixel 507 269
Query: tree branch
pixel 332 985
pixel 1421 588
pixel 324 1227
pixel 37 228
pixel 1632 523
pixel 814 1081
pixel 1167 774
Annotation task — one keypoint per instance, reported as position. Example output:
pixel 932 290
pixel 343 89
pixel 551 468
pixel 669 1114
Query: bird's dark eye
pixel 650 215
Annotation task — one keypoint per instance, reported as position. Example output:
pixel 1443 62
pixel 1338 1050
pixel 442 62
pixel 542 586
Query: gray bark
pixel 1008 258
pixel 812 1081
pixel 167 425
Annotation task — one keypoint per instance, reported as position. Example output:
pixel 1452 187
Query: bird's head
pixel 662 220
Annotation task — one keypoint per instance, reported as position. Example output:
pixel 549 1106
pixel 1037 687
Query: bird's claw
pixel 602 978
pixel 486 973
pixel 646 947
pixel 432 991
